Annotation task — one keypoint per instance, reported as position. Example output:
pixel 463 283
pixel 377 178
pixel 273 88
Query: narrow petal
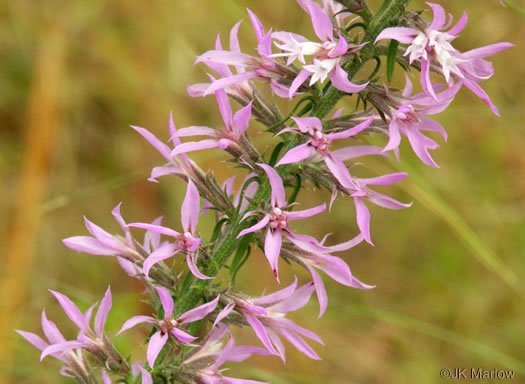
pixel 182 336
pixel 386 201
pixel 394 136
pixel 339 170
pixel 321 22
pixel 440 17
pixel 224 107
pixel 164 171
pixel 407 91
pixel 340 80
pixel 460 25
pixel 166 300
pixel 190 260
pixel 241 353
pixel 298 81
pixel 89 245
pixel 341 48
pixel 389 179
pixel 352 131
pixel 191 146
pixel 261 333
pixel 417 141
pixel 234 38
pixel 59 349
pixel 296 154
pixel 152 239
pixel 299 343
pixel 307 243
pixel 224 57
pixel 152 139
pixel 190 208
pixel 402 34
pixel 156 228
pixel 287 323
pixel 260 225
pixel 363 219
pixel 72 311
pixel 229 81
pixel 295 301
pixel 297 215
pixel 425 79
pixel 347 245
pixel 278 194
pixel 350 153
pixel 102 313
pixel 35 340
pixel 198 313
pixel 257 25
pixel 196 131
pixel 480 92
pixel 156 343
pixel 98 232
pixel 117 215
pixel 276 296
pixel 135 320
pixel 105 378
pixel 278 344
pixel 51 331
pixel 224 313
pixel 146 377
pixel 320 290
pixel 272 250
pixel 241 119
pixel 487 50
pixel 162 253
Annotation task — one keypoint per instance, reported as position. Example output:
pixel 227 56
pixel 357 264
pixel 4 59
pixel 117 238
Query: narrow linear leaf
pixel 391 59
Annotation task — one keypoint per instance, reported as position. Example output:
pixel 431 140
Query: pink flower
pixel 411 121
pixel 318 146
pixel 267 316
pixel 103 243
pixel 178 165
pixel 168 325
pixel 230 135
pixel 316 256
pixel 248 67
pixel 326 55
pixel 239 90
pixel 74 363
pixel 186 242
pixel 362 192
pixel 433 46
pixel 91 340
pixel 205 362
pixel 276 221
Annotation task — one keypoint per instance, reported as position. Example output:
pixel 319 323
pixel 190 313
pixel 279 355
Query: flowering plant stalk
pixel 314 73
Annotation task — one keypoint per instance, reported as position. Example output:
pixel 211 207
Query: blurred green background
pixel 448 271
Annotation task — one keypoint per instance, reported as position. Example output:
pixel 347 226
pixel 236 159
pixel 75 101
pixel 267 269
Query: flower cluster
pixel 310 148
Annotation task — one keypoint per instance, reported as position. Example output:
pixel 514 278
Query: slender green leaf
pixel 391 59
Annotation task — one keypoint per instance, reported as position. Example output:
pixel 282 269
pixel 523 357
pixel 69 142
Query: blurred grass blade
pixel 473 346
pixel 514 7
pixel 423 193
pixel 61 201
